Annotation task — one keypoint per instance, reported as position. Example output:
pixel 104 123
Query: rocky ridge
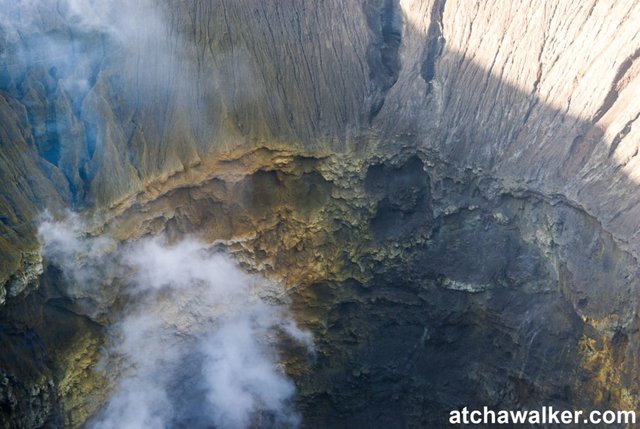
pixel 427 177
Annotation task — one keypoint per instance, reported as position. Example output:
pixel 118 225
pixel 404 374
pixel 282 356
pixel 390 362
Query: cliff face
pixel 542 98
pixel 448 189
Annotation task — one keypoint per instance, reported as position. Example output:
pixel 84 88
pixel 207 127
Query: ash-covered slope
pixel 541 95
pixel 450 187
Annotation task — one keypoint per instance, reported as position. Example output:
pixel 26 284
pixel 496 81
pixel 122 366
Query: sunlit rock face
pixel 447 190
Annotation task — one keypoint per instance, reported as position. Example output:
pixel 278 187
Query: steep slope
pixel 449 189
pixel 541 96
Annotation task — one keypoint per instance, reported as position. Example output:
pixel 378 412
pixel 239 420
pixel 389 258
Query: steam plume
pixel 197 345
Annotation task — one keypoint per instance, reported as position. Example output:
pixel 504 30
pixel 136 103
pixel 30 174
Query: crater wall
pixel 447 189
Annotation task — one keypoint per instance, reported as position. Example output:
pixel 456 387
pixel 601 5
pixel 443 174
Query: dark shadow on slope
pixel 477 313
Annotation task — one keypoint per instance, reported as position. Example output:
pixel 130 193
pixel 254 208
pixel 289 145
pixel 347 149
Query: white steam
pixel 120 19
pixel 197 345
pixel 136 68
pixel 72 40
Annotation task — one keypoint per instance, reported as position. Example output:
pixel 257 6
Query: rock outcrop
pixel 449 191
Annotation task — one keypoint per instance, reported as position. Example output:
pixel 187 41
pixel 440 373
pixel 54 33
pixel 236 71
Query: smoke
pixel 124 78
pixel 118 19
pixel 71 40
pixel 197 345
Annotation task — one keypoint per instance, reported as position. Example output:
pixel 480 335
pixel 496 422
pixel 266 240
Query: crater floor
pixel 446 191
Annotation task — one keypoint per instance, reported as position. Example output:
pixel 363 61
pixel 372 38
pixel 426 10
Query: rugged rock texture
pixel 421 281
pixel 448 189
pixel 547 105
